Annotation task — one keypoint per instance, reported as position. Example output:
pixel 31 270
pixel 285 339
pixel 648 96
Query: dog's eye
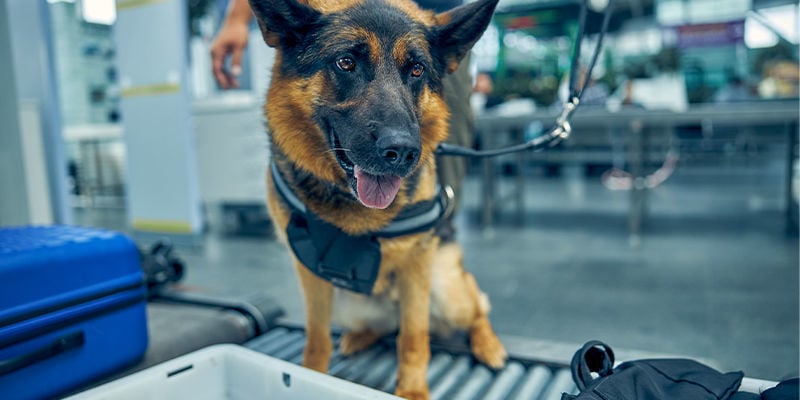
pixel 417 69
pixel 346 64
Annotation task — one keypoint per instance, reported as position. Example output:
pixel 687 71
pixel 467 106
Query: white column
pixel 152 50
pixel 33 166
pixel 13 202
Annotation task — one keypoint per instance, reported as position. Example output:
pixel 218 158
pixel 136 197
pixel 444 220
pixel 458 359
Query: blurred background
pixel 666 223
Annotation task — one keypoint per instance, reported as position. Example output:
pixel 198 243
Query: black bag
pixel 658 379
pixel 786 390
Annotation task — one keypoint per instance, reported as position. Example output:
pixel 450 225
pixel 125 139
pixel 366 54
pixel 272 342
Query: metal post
pixel 519 190
pixel 489 189
pixel 14 203
pixel 792 212
pixel 31 55
pixel 636 157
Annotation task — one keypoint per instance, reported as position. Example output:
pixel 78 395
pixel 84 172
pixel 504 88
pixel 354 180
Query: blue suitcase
pixel 72 308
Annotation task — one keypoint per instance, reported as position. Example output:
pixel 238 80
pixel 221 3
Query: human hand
pixel 231 41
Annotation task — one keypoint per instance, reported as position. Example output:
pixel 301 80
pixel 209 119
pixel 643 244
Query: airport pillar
pixel 152 56
pixel 33 166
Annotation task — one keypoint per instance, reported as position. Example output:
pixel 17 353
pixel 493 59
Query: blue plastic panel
pixel 59 283
pixel 43 268
pixel 112 341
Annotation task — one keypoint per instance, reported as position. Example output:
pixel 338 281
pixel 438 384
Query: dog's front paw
pixel 486 347
pixel 413 394
pixel 491 352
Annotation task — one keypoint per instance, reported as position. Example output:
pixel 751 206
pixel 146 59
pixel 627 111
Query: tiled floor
pixel 714 276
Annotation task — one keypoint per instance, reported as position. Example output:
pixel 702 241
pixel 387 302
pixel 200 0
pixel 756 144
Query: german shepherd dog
pixel 355 111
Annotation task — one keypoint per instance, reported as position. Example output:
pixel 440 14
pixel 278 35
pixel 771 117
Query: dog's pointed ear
pixel 457 30
pixel 283 22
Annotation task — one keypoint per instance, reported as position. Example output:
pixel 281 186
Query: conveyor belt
pixel 452 373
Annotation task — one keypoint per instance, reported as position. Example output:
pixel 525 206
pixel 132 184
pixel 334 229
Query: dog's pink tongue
pixel 376 191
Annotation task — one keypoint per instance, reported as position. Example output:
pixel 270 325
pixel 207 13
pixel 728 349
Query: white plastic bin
pixel 229 372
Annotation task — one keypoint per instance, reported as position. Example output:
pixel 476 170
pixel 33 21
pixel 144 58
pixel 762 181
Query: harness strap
pixel 415 218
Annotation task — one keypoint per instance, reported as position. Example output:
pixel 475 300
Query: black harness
pixel 350 261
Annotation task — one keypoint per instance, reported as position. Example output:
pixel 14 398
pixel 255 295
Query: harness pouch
pixel 348 262
pixel 657 379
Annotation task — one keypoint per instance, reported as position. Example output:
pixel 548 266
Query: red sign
pixel 704 35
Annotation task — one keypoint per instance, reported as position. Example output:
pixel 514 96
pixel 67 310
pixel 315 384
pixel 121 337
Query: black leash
pixel 562 128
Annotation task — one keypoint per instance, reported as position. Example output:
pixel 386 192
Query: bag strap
pixel 595 356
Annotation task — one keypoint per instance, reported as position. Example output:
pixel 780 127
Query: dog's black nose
pixel 399 150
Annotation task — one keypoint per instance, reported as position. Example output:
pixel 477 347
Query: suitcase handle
pixel 65 343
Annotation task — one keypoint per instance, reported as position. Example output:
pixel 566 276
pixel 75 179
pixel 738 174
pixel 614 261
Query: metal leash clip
pixel 562 128
pixel 448 198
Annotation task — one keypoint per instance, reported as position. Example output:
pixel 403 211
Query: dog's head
pixel 356 96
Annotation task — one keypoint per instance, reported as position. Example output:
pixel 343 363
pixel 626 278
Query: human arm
pixel 231 41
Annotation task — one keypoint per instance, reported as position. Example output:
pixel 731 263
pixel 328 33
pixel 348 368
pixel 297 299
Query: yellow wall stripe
pixel 128 4
pixel 151 90
pixel 161 226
